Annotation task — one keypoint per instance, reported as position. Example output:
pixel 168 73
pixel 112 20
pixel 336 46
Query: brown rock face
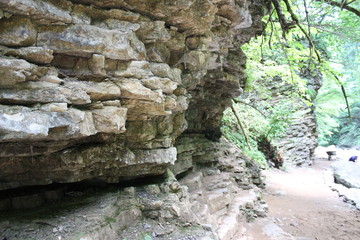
pixel 101 90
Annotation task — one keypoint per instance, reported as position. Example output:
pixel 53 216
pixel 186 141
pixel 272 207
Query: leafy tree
pixel 323 35
pixel 303 43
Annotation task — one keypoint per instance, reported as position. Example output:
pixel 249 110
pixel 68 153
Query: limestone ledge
pixel 211 203
pixel 84 74
pixel 110 163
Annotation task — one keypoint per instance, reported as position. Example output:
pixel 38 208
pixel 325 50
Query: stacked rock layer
pixel 101 90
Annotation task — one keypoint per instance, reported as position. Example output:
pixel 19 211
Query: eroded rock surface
pixel 108 91
pixel 211 203
pixel 297 145
pixel 89 86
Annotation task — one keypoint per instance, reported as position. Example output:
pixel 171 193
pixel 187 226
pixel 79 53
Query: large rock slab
pixel 347 173
pixel 20 123
pixel 103 162
pixel 105 90
pixel 36 55
pixel 41 11
pixel 85 40
pixel 44 92
pixel 192 16
pixel 350 195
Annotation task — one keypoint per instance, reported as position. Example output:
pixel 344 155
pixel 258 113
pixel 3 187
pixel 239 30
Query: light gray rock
pixel 195 60
pixel 54 107
pixel 167 155
pixel 51 79
pixel 13 71
pixel 110 119
pixel 97 65
pixel 17 32
pixel 32 54
pixel 41 11
pixel 161 70
pixel 105 90
pixel 37 124
pixel 352 195
pixel 279 193
pixel 153 31
pixel 136 69
pixel 133 89
pixel 164 84
pixel 274 232
pixel 45 92
pixel 164 71
pixel 85 40
pixel 347 173
pixel 123 26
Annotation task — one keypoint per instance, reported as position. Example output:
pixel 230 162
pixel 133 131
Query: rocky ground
pixel 304 204
pixel 208 204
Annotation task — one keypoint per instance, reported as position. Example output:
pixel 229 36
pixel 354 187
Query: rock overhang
pixel 103 89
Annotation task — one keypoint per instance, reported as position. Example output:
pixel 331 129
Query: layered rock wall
pixel 101 90
pixel 300 140
pixel 297 145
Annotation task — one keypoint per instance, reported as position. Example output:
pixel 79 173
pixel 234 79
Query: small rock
pixel 279 193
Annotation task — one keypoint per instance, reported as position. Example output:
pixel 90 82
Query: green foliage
pixel 339 39
pixel 329 104
pixel 336 35
pixel 271 124
pixel 265 61
pixel 348 134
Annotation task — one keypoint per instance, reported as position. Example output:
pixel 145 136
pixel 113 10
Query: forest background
pixel 304 44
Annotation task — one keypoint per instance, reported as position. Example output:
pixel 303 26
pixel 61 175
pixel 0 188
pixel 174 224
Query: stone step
pixel 196 196
pixel 202 211
pixel 218 199
pixel 214 182
pixel 193 181
pixel 231 222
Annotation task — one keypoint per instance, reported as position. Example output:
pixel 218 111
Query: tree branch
pixel 341 5
pixel 343 92
pixel 240 125
pixel 323 28
pixel 247 104
pixel 309 29
pixel 296 20
pixel 263 35
pixel 285 26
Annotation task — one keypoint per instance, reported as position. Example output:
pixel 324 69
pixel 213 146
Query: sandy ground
pixel 302 206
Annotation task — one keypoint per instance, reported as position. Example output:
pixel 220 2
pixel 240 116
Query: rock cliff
pixel 101 90
pixel 111 91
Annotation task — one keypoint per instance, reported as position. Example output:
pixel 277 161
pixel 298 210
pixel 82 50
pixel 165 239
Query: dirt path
pixel 302 206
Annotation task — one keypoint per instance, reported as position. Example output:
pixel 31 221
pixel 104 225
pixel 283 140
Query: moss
pixel 109 220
